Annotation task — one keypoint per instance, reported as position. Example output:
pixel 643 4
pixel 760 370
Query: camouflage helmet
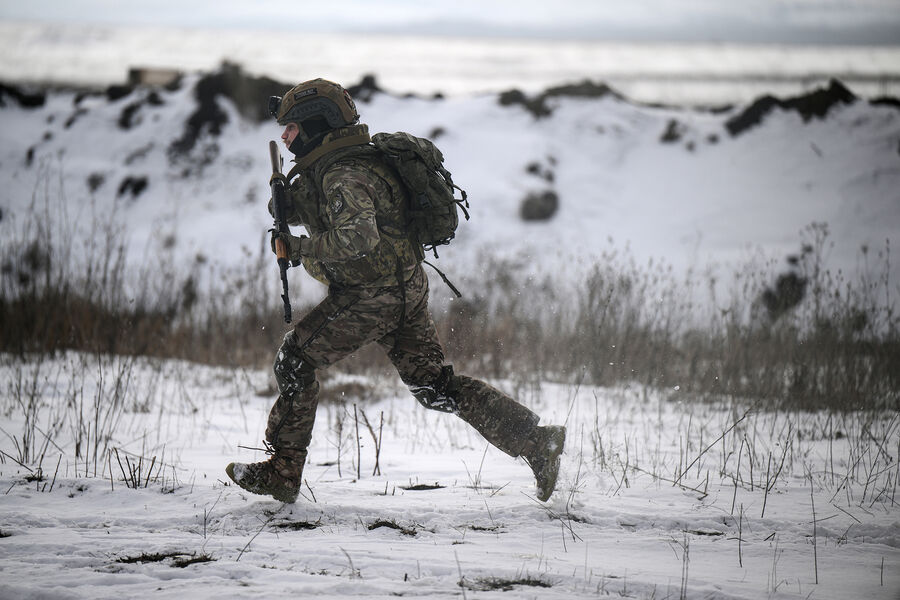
pixel 315 98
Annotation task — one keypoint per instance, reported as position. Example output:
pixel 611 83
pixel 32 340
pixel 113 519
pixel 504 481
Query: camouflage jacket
pixel 353 206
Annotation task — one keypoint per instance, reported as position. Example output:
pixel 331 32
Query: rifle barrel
pixel 281 225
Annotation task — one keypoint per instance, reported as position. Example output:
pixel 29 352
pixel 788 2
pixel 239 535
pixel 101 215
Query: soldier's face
pixel 289 133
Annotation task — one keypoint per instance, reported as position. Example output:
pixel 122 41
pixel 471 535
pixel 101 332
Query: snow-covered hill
pixel 186 169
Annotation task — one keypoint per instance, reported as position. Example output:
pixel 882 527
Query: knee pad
pixel 439 395
pixel 292 373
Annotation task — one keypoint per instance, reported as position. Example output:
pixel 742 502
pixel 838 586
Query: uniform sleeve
pixel 299 204
pixel 315 269
pixel 350 229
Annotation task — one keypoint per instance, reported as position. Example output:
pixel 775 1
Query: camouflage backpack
pixel 432 215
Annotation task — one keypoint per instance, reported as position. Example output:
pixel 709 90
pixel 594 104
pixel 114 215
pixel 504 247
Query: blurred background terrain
pixel 673 190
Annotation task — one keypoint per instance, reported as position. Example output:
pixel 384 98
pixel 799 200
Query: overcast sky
pixel 858 21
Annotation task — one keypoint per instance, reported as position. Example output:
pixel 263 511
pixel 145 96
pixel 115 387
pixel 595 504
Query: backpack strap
pixel 353 135
pixel 444 277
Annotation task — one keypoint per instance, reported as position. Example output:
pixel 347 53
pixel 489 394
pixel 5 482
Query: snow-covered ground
pixel 765 506
pixel 660 497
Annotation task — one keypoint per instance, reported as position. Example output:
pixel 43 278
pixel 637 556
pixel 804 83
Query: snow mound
pixel 184 169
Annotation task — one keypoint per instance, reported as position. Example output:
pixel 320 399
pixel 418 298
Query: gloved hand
pixel 294 244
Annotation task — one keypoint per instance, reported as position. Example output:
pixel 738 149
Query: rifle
pixel 279 201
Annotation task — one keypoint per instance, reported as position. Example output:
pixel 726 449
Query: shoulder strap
pixel 358 151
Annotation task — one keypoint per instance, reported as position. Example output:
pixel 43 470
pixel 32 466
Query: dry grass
pixel 825 342
pixel 52 299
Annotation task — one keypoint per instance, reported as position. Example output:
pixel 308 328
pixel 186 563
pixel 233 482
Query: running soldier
pixel 352 205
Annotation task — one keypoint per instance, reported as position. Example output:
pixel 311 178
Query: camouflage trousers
pixel 399 321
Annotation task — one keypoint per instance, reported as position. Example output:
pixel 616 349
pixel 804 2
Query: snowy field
pixel 658 498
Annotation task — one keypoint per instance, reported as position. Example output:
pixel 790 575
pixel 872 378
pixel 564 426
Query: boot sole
pixel 287 497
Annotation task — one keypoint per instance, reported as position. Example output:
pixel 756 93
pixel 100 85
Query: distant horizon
pixel 731 33
pixel 694 73
pixel 789 22
pixel 885 36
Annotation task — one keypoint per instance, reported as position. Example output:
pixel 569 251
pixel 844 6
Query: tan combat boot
pixel 278 477
pixel 542 453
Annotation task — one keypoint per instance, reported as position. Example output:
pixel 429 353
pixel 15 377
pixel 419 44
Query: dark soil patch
pixel 127 118
pixel 422 487
pixel 539 206
pixel 886 101
pixel 154 99
pixel 80 96
pixel 133 186
pixel 298 525
pixel 192 560
pixel 704 532
pixel 208 118
pixel 492 528
pixel 117 92
pixel 537 105
pixel 181 559
pixel 365 90
pixel 488 584
pixel 815 104
pixel 21 97
pixel 139 153
pixel 37 475
pixel 585 89
pixel 246 92
pixel 393 525
pixel 79 112
pixel 147 557
pixel 674 132
pixel 535 168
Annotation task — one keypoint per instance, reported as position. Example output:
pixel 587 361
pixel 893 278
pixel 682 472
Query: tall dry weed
pixel 814 338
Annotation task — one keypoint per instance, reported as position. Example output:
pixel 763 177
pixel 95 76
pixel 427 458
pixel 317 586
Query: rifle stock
pixel 279 202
